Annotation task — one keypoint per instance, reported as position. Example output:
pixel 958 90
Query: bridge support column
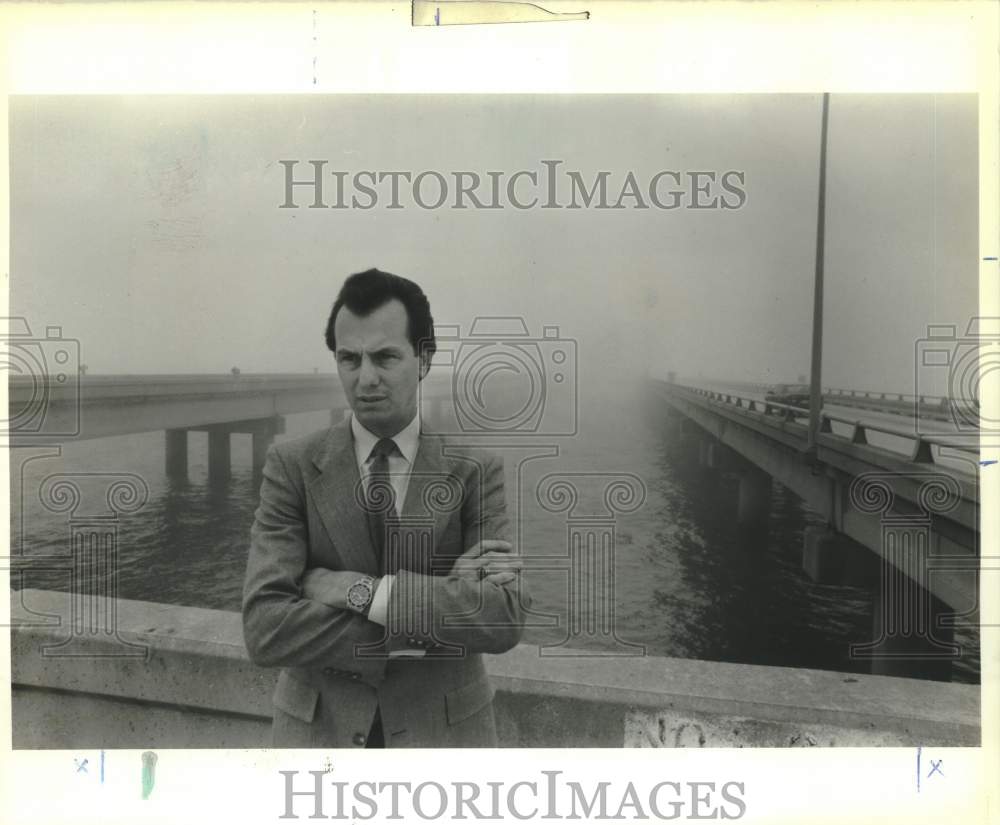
pixel 673 427
pixel 824 555
pixel 177 454
pixel 829 557
pixel 218 454
pixel 724 459
pixel 263 436
pixel 704 452
pixel 684 441
pixel 261 430
pixel 691 438
pixel 753 504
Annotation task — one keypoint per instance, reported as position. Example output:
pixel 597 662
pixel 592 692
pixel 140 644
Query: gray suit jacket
pixel 335 663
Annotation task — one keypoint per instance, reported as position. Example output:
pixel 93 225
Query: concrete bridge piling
pixel 754 498
pixel 177 453
pixel 261 430
pixel 825 555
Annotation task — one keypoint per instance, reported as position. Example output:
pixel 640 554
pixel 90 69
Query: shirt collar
pixel 406 439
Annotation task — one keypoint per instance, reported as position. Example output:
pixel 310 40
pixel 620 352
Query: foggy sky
pixel 149 228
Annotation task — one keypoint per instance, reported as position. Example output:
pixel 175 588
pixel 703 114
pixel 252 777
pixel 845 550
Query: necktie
pixel 381 498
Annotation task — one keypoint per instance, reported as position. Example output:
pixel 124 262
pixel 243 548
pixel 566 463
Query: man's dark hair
pixel 364 292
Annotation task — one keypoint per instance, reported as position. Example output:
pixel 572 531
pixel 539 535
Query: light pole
pixel 816 375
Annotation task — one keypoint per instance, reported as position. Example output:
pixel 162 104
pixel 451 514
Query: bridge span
pixel 901 507
pixel 45 411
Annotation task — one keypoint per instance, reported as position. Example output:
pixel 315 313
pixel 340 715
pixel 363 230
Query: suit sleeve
pixel 475 616
pixel 281 628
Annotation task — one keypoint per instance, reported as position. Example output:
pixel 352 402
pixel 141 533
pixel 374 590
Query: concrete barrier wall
pixel 179 677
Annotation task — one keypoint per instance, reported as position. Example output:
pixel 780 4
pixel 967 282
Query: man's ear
pixel 425 364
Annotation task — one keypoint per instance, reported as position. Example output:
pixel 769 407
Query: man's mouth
pixel 371 399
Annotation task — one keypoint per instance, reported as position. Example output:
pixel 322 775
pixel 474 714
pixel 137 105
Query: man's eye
pixel 347 359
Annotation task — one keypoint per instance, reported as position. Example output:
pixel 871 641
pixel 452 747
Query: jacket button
pixel 360 739
pixel 328 670
pixel 355 676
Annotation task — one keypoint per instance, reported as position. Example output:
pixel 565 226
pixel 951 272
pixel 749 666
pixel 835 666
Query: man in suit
pixel 378 570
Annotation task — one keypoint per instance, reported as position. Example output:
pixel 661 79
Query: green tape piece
pixel 148 773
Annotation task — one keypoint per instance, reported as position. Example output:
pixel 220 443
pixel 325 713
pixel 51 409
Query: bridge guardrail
pixel 930 400
pixel 937 407
pixel 923 443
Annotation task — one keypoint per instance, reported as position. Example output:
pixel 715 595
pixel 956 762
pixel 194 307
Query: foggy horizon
pixel 149 229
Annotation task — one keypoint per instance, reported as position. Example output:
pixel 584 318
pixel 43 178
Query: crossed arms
pixel 294 617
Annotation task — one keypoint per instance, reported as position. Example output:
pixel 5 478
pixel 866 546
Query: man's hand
pixel 490 559
pixel 328 586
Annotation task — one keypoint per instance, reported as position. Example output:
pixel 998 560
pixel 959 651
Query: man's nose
pixel 368 375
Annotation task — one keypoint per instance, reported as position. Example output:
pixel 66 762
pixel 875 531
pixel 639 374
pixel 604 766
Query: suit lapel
pixel 335 488
pixel 334 493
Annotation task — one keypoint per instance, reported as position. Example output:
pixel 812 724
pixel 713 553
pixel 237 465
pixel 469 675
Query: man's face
pixel 378 368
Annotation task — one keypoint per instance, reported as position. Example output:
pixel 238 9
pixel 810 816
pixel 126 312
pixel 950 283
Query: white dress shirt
pixel 400 467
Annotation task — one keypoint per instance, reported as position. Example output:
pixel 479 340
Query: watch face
pixel 359 594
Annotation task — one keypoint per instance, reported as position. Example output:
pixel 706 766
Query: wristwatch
pixel 359 595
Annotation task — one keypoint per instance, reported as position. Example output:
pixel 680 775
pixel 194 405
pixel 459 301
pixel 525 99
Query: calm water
pixel 687 582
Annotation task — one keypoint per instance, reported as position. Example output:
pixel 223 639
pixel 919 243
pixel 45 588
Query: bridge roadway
pixel 906 492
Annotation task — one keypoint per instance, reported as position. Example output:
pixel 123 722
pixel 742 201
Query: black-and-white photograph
pixel 521 421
